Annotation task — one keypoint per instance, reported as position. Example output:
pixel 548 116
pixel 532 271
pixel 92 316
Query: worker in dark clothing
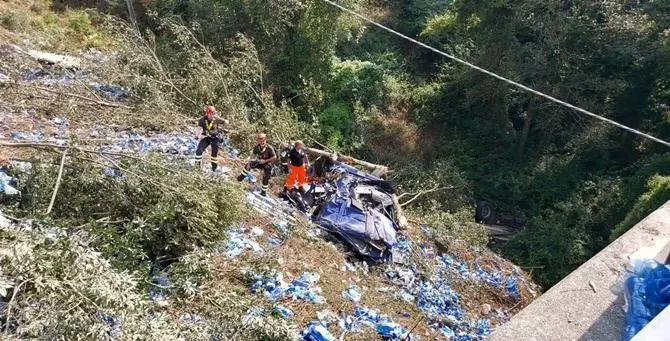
pixel 265 156
pixel 209 134
pixel 298 163
pixel 284 157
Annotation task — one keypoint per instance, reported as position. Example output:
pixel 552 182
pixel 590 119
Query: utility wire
pixel 519 85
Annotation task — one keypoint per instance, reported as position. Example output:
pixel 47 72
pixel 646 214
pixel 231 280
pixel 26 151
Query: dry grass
pixel 393 134
pixel 70 30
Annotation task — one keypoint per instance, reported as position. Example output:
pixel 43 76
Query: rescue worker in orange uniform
pixel 298 164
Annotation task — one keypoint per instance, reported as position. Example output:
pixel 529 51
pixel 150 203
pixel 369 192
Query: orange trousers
pixel 297 175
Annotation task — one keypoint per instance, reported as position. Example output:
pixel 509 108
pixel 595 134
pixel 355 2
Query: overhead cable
pixel 506 80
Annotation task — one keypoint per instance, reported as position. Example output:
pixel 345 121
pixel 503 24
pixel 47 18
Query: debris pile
pixel 115 92
pixel 160 286
pixel 437 298
pixel 173 146
pixel 5 184
pixel 363 317
pixel 280 211
pixel 274 287
pixel 114 324
pixel 239 241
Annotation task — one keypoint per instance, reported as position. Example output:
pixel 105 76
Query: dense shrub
pixel 657 194
pixel 148 213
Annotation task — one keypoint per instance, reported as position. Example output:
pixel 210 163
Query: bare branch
pixel 9 306
pixel 60 175
pixel 52 146
pixel 435 189
pixel 91 100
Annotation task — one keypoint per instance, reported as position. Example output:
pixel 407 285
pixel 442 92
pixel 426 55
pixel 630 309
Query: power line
pixel 509 81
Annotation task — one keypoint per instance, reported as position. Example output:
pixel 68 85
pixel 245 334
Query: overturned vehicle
pixel 355 207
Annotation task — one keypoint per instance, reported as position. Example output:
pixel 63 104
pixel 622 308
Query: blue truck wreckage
pixel 355 207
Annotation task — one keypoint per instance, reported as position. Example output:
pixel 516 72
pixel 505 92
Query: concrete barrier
pixel 588 303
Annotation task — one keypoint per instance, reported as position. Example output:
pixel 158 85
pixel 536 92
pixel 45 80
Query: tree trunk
pixel 377 170
pixel 526 129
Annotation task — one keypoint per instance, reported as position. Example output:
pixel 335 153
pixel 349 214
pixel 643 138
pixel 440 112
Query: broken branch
pixel 103 103
pixel 435 189
pixel 60 175
pixel 9 306
pixel 83 150
pixel 378 170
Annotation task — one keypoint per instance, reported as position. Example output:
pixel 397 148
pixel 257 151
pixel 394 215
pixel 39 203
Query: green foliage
pixel 457 225
pixel 410 16
pixel 79 22
pixel 548 242
pixel 150 213
pixel 298 38
pixel 658 193
pixel 191 272
pixel 439 23
pixel 338 124
pixel 13 20
pixel 357 81
pixel 47 20
pixel 76 287
pixel 73 30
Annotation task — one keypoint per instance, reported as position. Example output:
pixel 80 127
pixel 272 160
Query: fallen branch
pixel 104 221
pixel 102 103
pixel 435 189
pixel 9 306
pixel 60 175
pixel 83 150
pixel 407 336
pixel 324 147
pixel 158 65
pixel 377 170
pixel 117 166
pixel 12 218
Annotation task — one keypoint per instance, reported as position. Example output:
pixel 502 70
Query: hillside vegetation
pixel 304 69
pixel 574 180
pixel 113 234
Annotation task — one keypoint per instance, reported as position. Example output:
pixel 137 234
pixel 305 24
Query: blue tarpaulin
pixel 369 232
pixel 647 293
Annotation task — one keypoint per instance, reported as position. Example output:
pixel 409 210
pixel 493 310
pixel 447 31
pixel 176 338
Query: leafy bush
pixel 338 124
pixel 79 22
pixel 47 20
pixel 357 81
pixel 456 225
pixel 658 192
pixel 163 213
pixel 64 290
pixel 13 20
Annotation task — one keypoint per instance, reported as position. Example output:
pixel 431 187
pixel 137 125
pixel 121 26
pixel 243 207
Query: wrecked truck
pixel 355 207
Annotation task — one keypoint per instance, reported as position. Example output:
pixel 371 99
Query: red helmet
pixel 210 109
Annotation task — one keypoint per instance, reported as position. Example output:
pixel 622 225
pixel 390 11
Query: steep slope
pixel 142 245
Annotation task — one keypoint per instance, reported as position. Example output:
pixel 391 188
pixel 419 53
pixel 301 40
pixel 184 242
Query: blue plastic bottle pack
pixel 647 293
